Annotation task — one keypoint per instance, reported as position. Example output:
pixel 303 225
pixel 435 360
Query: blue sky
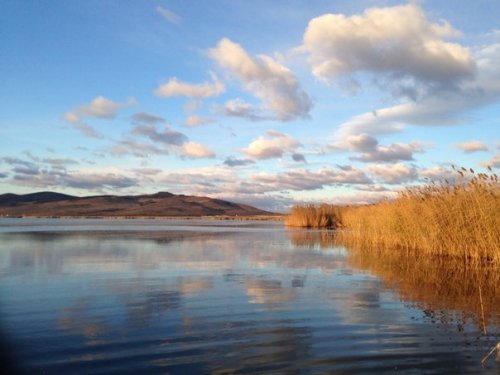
pixel 267 103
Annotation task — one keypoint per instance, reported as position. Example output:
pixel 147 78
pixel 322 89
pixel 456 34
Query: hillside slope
pixel 159 204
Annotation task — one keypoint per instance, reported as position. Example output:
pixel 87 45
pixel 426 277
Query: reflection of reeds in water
pixel 443 288
pixel 312 239
pixel 459 220
pixel 446 290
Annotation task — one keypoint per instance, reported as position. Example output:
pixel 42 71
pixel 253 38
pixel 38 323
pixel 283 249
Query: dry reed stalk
pixel 459 220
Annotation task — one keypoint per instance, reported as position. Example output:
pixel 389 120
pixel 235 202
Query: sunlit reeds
pixel 310 216
pixel 460 219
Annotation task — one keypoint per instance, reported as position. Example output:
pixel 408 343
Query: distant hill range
pixel 50 204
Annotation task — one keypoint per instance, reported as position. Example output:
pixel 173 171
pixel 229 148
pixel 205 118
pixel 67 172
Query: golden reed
pixel 459 220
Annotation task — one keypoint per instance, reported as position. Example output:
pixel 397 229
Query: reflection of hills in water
pixel 445 289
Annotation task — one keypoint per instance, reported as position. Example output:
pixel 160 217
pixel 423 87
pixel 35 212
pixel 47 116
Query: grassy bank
pixel 461 220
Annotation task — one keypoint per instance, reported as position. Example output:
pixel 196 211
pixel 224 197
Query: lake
pixel 206 296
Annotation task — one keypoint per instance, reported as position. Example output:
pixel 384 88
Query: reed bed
pixel 311 216
pixel 459 220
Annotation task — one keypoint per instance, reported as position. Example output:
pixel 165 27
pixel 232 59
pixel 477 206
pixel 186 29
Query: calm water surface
pixel 182 297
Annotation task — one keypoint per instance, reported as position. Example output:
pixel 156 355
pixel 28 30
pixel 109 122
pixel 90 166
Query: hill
pixel 50 204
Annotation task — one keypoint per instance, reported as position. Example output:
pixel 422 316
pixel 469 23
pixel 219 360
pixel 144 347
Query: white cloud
pixel 87 130
pixel 274 84
pixel 168 15
pixel 139 149
pixel 361 142
pixel 194 120
pixel 394 173
pixel 397 41
pixel 392 152
pixel 472 146
pixel 438 173
pixel 492 163
pixel 274 146
pixel 99 107
pixel 233 162
pixel 196 151
pixel 307 180
pixel 362 197
pixel 104 108
pixel 163 141
pixel 435 108
pixel 167 135
pixel 147 118
pixel 240 108
pixel 71 117
pixel 371 151
pixel 56 175
pixel 175 87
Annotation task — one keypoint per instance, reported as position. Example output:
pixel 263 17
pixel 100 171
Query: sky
pixel 269 103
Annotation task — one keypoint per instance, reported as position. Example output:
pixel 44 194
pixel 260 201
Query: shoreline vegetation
pixel 459 220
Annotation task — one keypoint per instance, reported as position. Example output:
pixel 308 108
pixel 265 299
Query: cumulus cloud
pixel 167 135
pixel 309 180
pixel 76 179
pixel 438 173
pixel 492 163
pixel 162 140
pixel 472 146
pixel 400 42
pixel 362 197
pixel 53 172
pixel 394 173
pixel 274 84
pixel 87 130
pixel 194 150
pixel 147 118
pixel 194 120
pixel 233 162
pixel 361 142
pixel 273 146
pixel 136 148
pixel 175 87
pixel 100 107
pixel 99 181
pixel 168 15
pixel 22 167
pixel 51 161
pixel 299 158
pixel 435 108
pixel 372 152
pixel 372 188
pixel 240 108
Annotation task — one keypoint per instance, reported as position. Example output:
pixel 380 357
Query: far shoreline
pixel 276 217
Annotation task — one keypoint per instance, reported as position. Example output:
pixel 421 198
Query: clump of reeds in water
pixel 311 216
pixel 461 220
